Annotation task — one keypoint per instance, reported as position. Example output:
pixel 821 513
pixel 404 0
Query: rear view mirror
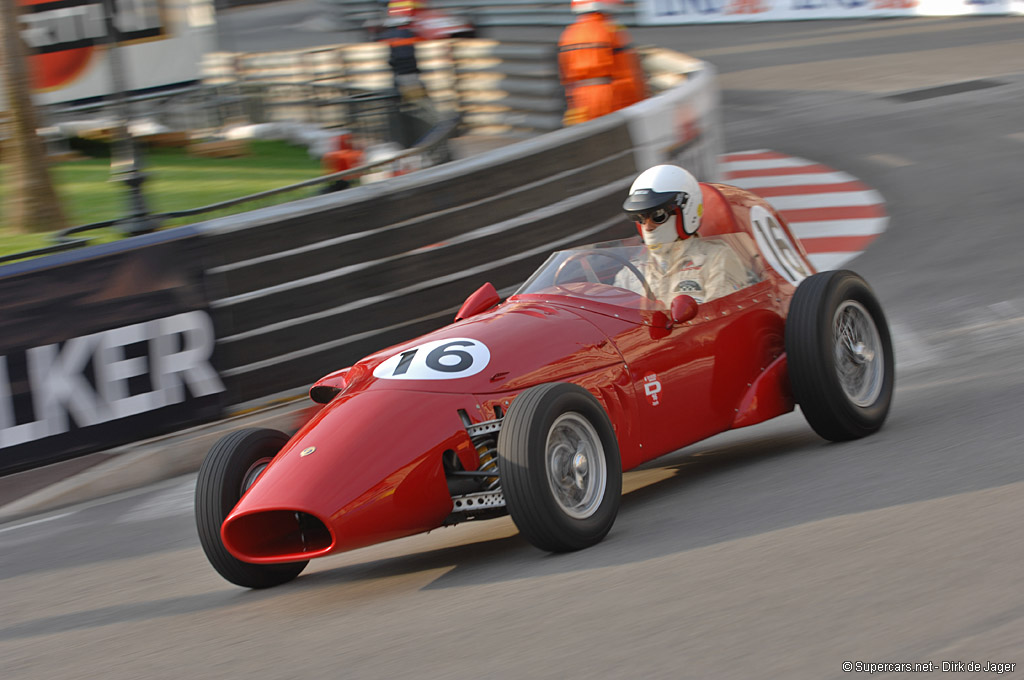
pixel 684 308
pixel 483 299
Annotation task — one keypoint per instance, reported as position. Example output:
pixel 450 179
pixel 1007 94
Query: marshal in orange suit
pixel 599 69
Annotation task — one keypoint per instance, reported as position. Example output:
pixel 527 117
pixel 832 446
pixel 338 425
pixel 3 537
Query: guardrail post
pixel 125 162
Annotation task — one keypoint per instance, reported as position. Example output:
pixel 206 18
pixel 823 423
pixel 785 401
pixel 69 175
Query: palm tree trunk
pixel 31 203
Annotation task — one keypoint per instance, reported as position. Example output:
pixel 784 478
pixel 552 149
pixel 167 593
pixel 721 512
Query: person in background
pixel 401 38
pixel 344 156
pixel 598 67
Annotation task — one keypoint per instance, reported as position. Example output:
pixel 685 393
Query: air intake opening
pixel 277 534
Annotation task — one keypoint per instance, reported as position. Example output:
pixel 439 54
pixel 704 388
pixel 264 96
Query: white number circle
pixel 445 359
pixel 776 246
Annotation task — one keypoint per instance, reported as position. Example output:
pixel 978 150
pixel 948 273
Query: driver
pixel 666 204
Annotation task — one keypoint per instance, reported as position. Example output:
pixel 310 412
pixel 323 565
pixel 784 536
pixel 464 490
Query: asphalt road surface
pixel 763 553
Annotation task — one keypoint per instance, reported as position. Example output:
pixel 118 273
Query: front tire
pixel 839 354
pixel 558 460
pixel 228 470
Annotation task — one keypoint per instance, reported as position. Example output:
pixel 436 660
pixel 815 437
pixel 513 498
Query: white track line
pixel 765 164
pixel 753 183
pixel 837 200
pixel 860 227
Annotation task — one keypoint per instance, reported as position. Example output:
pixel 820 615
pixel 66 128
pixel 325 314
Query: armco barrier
pixel 297 290
pixel 401 255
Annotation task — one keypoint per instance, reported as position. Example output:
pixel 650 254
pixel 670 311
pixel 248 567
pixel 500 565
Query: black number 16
pixel 465 359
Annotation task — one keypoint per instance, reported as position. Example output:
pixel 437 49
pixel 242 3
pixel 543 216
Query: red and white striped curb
pixel 834 214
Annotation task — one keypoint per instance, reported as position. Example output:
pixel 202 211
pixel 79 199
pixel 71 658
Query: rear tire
pixel 839 355
pixel 558 460
pixel 228 470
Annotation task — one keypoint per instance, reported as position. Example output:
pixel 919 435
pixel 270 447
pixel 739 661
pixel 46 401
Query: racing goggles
pixel 657 215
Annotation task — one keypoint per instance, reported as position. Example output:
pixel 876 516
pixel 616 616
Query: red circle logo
pixel 56 68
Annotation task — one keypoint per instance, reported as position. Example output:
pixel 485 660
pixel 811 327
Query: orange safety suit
pixel 599 69
pixel 345 157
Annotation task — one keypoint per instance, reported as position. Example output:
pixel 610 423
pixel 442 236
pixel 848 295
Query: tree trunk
pixel 31 203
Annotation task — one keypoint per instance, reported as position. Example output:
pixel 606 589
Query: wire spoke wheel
pixel 858 353
pixel 839 355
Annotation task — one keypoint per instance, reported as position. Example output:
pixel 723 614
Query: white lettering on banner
pixel 672 8
pixel 705 11
pixel 113 370
pixel 179 351
pixel 59 387
pixel 189 365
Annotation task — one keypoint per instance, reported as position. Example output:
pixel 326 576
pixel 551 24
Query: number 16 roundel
pixel 445 359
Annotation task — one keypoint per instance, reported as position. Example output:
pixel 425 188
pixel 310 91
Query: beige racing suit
pixel 703 269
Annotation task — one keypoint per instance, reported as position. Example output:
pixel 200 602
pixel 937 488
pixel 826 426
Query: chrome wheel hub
pixel 253 473
pixel 576 470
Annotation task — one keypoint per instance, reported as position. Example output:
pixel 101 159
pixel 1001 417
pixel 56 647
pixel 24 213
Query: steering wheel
pixel 582 254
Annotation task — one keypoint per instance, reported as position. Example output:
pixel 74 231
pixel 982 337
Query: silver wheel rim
pixel 577 472
pixel 253 473
pixel 859 358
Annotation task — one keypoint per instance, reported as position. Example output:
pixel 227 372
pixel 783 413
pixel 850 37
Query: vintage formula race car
pixel 535 406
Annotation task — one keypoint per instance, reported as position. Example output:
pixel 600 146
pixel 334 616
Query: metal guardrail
pixel 433 145
pixel 435 138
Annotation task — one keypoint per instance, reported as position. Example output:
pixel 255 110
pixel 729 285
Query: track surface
pixel 764 553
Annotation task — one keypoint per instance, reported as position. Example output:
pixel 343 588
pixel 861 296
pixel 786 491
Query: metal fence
pixel 374 116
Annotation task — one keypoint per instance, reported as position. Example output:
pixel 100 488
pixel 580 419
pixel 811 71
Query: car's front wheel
pixel 559 465
pixel 839 355
pixel 229 469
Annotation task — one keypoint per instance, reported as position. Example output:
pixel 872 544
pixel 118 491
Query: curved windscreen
pixel 627 274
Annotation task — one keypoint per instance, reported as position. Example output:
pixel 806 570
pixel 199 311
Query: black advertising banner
pixel 104 346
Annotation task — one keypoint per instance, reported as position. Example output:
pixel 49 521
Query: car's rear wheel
pixel 839 355
pixel 559 465
pixel 229 469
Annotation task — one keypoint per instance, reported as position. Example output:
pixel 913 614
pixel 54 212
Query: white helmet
pixel 666 189
pixel 605 6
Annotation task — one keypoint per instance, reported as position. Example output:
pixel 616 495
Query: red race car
pixel 535 406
